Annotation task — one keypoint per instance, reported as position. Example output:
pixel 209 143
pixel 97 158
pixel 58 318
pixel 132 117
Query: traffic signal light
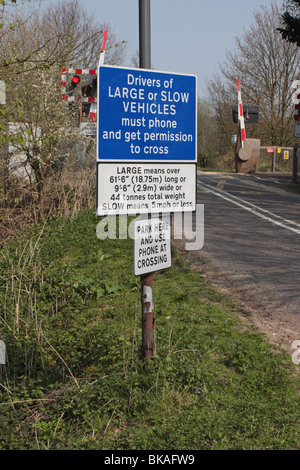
pixel 89 94
pixel 75 80
pixel 251 114
pixel 72 85
pixel 79 85
pixel 89 90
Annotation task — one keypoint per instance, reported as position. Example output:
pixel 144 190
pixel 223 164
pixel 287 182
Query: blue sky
pixel 187 36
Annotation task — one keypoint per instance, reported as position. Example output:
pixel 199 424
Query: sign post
pixel 295 163
pixel 148 344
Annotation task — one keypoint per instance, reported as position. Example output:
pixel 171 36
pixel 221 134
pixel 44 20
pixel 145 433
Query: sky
pixel 187 36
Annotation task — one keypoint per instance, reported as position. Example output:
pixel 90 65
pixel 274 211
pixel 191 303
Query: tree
pixel 266 66
pixel 61 34
pixel 32 53
pixel 221 100
pixel 291 22
pixel 207 133
pixel 11 24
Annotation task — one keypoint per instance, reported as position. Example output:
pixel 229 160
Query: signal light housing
pixel 251 114
pixel 79 85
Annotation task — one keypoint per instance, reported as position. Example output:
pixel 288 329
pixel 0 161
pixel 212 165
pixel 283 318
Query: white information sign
pixel 2 92
pixel 152 245
pixel 141 188
pixel 297 129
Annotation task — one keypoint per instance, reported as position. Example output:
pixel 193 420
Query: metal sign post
pixel 148 346
pixel 145 34
pixel 295 164
pixel 296 101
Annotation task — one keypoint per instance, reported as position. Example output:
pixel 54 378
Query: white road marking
pixel 252 208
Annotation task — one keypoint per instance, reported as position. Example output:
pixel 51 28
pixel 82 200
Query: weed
pixel 70 317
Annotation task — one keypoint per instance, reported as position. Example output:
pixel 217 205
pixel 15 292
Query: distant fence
pixel 281 159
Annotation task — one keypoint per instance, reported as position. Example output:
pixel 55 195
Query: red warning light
pixel 75 80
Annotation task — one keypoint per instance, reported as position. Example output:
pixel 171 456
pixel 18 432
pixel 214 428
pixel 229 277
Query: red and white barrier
pixel 241 115
pixel 93 109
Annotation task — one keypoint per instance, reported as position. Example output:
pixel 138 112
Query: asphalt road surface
pixel 252 241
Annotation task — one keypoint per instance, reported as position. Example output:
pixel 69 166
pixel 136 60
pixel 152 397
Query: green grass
pixel 71 320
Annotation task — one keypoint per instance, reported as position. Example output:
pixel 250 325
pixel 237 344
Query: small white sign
pixel 2 92
pixel 286 155
pixel 152 245
pixel 141 188
pixel 297 129
pixel 2 352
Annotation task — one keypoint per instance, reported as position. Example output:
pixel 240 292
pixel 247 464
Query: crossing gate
pixel 247 150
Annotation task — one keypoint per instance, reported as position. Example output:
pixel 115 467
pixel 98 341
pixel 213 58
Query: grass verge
pixel 71 321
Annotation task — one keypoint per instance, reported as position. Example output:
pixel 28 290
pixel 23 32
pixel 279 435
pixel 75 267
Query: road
pixel 252 246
